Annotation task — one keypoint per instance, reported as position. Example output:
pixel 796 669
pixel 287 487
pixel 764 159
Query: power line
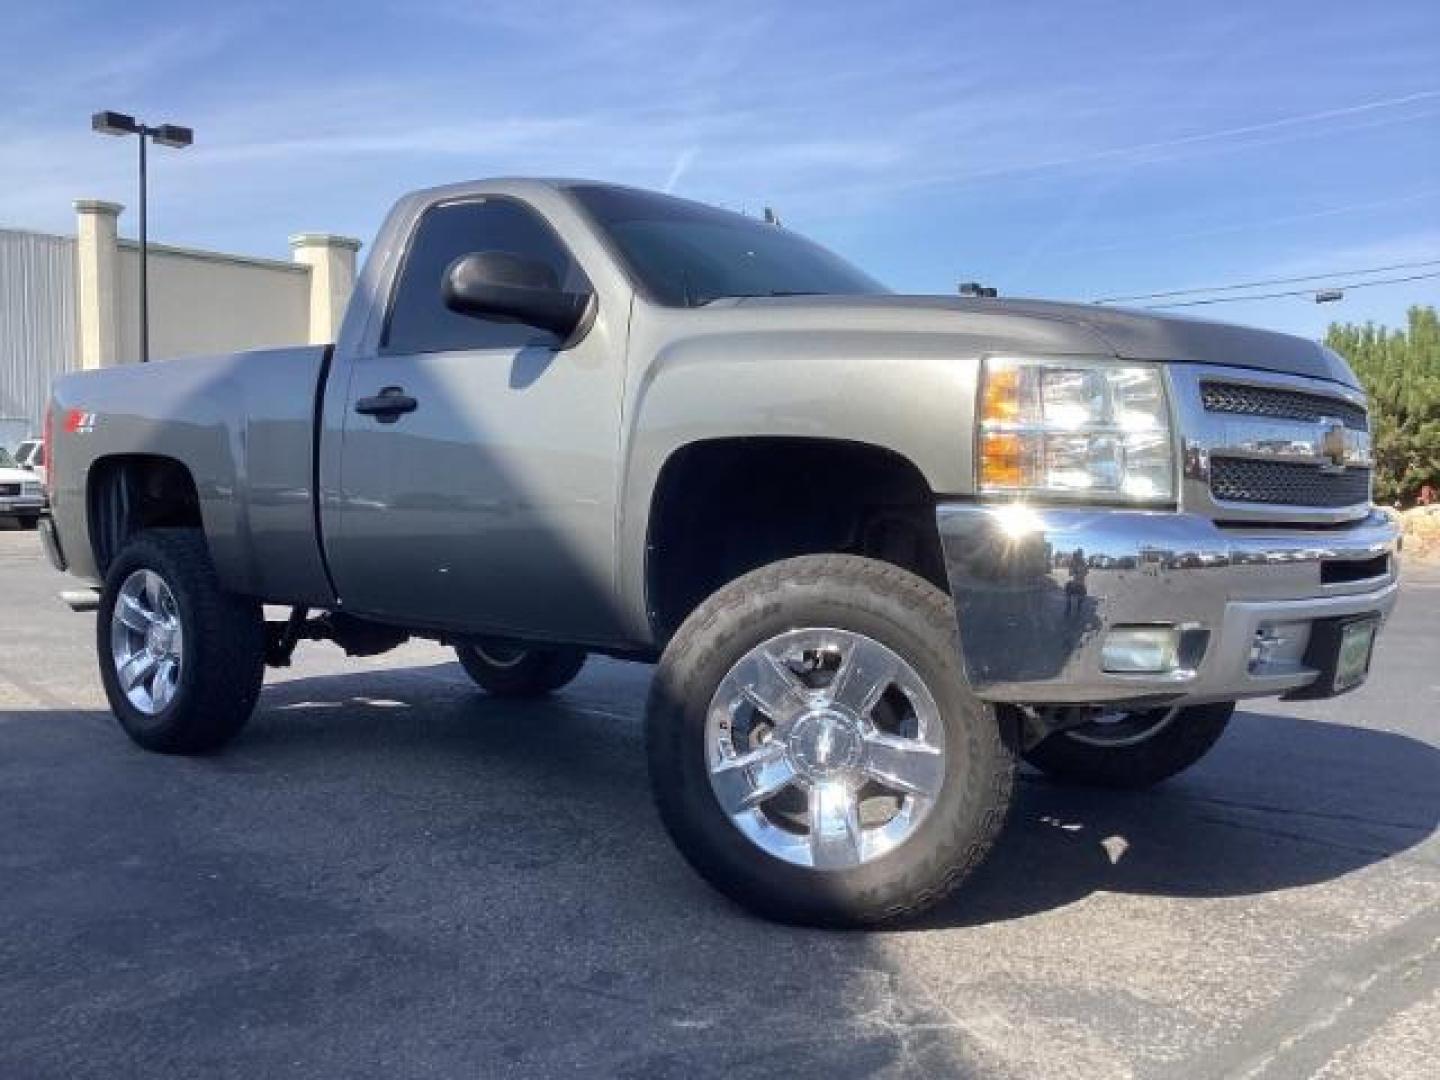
pixel 1267 281
pixel 1253 224
pixel 1292 292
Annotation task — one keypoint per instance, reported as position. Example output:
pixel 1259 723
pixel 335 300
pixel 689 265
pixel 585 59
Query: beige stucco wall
pixel 203 302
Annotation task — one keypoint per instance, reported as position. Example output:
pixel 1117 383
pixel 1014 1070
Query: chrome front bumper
pixel 21 504
pixel 1037 590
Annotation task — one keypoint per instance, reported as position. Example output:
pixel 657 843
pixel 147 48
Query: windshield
pixel 686 254
pixel 6 461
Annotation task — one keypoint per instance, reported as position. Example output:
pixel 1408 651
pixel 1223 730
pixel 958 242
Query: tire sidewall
pixel 144 555
pixel 223 664
pixel 536 672
pixel 955 823
pixel 1182 742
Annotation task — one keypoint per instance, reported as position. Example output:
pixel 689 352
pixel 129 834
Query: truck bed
pixel 243 424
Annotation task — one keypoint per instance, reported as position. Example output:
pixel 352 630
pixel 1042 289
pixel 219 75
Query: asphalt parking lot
pixel 390 875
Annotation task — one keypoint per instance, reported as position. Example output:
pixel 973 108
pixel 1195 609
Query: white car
pixel 22 494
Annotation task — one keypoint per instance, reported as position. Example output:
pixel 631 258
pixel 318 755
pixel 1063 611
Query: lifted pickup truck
pixel 880 546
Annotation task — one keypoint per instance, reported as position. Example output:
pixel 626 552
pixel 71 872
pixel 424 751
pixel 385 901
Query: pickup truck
pixel 30 455
pixel 22 494
pixel 881 547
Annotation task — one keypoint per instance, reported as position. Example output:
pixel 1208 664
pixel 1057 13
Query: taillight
pixel 47 453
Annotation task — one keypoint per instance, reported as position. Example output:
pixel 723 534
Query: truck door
pixel 484 499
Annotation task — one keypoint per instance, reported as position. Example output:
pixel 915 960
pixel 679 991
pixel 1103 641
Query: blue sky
pixel 1069 150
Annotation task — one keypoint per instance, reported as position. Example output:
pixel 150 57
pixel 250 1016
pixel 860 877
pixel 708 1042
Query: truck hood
pixel 1131 335
pixel 18 476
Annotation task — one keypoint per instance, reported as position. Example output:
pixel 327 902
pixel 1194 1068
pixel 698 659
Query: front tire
pixel 1135 749
pixel 814 749
pixel 181 659
pixel 513 671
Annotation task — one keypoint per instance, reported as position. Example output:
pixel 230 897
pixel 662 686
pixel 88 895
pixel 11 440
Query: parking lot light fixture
pixel 114 123
pixel 173 135
pixel 109 122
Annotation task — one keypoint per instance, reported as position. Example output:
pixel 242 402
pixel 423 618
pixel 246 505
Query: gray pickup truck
pixel 880 546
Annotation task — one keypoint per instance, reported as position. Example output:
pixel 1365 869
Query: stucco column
pixel 97 262
pixel 331 260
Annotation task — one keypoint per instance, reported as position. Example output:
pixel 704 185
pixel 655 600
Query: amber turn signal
pixel 1002 460
pixel 1000 402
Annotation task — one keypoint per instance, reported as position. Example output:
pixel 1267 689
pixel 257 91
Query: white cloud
pixel 683 161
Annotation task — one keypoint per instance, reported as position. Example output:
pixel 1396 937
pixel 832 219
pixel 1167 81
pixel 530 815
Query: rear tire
pixel 511 671
pixel 189 684
pixel 1133 758
pixel 858 867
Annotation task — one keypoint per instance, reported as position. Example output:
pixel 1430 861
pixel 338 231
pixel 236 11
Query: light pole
pixel 172 135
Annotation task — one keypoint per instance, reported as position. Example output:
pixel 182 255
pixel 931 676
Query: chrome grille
pixel 1279 403
pixel 1261 447
pixel 1287 483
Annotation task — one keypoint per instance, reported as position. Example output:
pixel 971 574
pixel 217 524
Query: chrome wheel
pixel 500 655
pixel 825 748
pixel 147 643
pixel 1123 727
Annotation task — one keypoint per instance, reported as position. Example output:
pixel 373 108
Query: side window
pixel 419 321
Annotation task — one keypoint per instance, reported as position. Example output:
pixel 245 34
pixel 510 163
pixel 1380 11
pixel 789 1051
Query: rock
pixel 1421 527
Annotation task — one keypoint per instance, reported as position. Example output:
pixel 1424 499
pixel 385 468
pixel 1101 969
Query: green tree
pixel 1400 370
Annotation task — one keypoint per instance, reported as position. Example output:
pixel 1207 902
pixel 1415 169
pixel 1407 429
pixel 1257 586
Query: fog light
pixel 1151 649
pixel 1277 644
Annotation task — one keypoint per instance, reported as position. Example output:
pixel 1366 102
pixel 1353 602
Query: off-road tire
pixel 535 673
pixel 1181 743
pixel 224 661
pixel 911 617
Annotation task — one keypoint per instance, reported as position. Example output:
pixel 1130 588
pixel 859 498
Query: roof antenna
pixel 974 288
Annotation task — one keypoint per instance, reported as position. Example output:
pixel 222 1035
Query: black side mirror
pixel 491 283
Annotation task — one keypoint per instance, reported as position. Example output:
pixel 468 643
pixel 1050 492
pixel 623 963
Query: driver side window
pixel 420 322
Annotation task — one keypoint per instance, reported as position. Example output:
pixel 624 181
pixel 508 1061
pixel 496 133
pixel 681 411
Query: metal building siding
pixel 39 330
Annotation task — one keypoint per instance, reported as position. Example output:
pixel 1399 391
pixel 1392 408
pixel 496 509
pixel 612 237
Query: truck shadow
pixel 1282 802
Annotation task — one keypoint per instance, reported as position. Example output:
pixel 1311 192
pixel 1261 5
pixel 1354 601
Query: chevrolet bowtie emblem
pixel 1332 445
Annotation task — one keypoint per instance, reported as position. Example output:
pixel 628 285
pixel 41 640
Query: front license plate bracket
pixel 1340 650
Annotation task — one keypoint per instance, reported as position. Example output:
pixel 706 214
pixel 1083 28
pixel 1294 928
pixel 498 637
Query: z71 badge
pixel 79 422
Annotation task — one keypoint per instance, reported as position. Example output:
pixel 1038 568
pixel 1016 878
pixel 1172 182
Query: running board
pixel 81 599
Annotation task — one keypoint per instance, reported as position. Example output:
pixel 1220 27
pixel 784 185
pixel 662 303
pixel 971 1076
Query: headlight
pixel 1097 429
